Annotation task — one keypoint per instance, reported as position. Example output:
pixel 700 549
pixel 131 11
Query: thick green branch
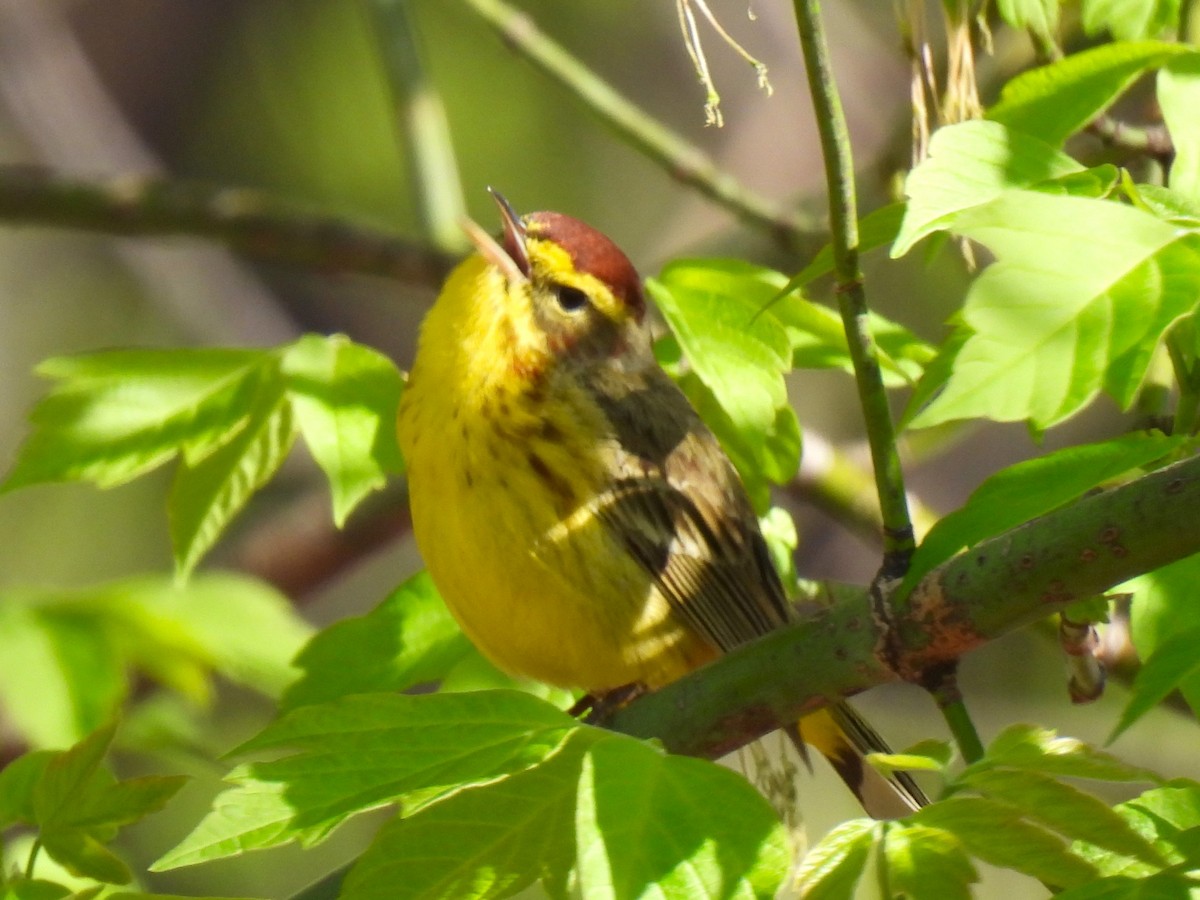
pixel 996 587
pixel 683 160
pixel 898 538
pixel 249 222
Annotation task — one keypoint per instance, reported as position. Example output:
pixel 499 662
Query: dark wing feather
pixel 680 510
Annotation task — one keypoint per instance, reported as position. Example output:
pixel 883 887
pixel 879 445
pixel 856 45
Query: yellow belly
pixel 537 582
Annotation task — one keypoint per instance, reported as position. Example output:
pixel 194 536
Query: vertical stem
pixel 852 301
pixel 421 125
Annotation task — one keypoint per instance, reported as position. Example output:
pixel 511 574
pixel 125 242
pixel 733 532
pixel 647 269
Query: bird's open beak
pixel 512 259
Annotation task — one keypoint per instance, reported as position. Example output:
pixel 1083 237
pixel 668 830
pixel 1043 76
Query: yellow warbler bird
pixel 580 521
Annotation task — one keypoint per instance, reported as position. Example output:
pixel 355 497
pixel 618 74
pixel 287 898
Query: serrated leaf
pixel 364 751
pixel 1054 101
pixel 997 834
pixel 1033 488
pixel 117 414
pixel 674 826
pixel 1166 817
pixel 971 164
pixel 344 397
pixel 77 807
pixel 926 863
pixel 1062 807
pixel 1037 749
pixel 1164 606
pixel 492 840
pixel 409 639
pixel 831 870
pixel 1179 98
pixel 1172 664
pixel 1078 284
pixel 207 494
pixel 1130 20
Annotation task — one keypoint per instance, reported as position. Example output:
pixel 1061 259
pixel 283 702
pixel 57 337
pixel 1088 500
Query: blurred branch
pixel 299 549
pixel 1152 140
pixel 68 116
pixel 683 160
pixel 250 222
pixel 843 489
pixel 421 125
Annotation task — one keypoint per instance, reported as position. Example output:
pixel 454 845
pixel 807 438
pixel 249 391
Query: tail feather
pixel 844 737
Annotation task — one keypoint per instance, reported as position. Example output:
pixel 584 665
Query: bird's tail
pixel 844 737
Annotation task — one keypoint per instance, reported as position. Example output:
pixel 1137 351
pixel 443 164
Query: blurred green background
pixel 292 96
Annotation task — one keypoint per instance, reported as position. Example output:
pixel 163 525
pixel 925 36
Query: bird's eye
pixel 570 299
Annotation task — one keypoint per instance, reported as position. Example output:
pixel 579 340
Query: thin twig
pixel 683 160
pixel 254 224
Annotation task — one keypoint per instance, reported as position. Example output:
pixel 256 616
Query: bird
pixel 580 521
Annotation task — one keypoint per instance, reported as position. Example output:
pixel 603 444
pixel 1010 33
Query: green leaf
pixel 1056 100
pixel 208 493
pixel 926 863
pixel 364 751
pixel 492 840
pixel 831 870
pixel 1040 16
pixel 739 351
pixel 1172 664
pixel 672 826
pixel 409 639
pixel 114 415
pixel 1164 607
pixel 17 782
pixel 971 164
pixel 60 670
pixel 78 807
pixel 344 397
pixel 161 621
pixel 1179 98
pixel 1162 886
pixel 771 457
pixel 876 229
pixel 1062 807
pixel 1078 285
pixel 998 834
pixel 1165 816
pixel 33 889
pixel 925 756
pixel 1034 749
pixel 1129 20
pixel 1033 488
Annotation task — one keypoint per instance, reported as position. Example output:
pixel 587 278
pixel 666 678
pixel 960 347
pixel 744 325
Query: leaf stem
pixel 33 855
pixel 1187 405
pixel 683 160
pixel 898 538
pixel 954 710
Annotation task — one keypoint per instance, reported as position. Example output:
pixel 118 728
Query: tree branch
pixel 252 223
pixel 1000 585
